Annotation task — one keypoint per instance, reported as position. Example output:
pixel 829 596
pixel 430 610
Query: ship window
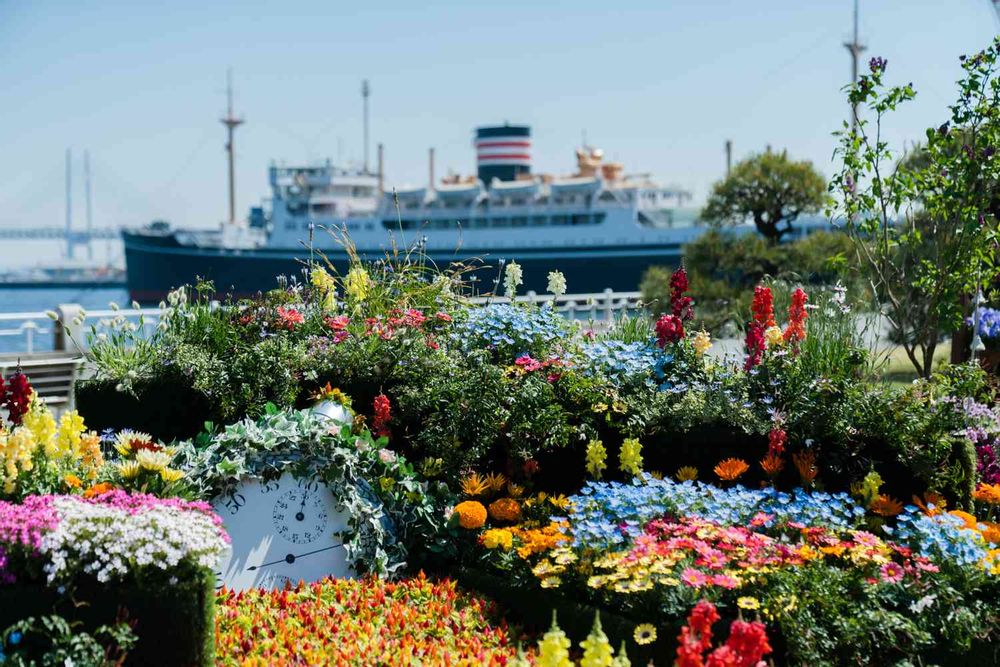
pixel 442 224
pixel 539 220
pixel 598 218
pixel 499 222
pixel 560 220
pixel 606 196
pixel 480 222
pixel 519 221
pixel 581 219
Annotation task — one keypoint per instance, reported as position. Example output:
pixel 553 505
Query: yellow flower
pixel 599 408
pixel 129 442
pixel 686 474
pixel 471 514
pixel 596 458
pixel 702 342
pixel 357 285
pixel 497 538
pixel 514 490
pixel 774 336
pixel 129 469
pixel 748 603
pixel 559 501
pixel 656 474
pixel 153 461
pixel 72 481
pixel 473 485
pixel 171 475
pixel 495 481
pixel 597 651
pixel 387 483
pixel 630 458
pixel 71 429
pixel 644 634
pixel 324 283
pixel 553 649
pixel 90 453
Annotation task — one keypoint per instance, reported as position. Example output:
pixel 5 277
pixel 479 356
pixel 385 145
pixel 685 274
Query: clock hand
pixel 291 558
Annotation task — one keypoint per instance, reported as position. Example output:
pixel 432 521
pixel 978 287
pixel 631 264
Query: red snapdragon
pixel 776 440
pixel 18 397
pixel 682 306
pixel 669 329
pixel 382 415
pixel 796 330
pixel 754 344
pixel 763 307
pixel 746 645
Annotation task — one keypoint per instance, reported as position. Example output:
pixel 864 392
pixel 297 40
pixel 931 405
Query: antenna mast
pixel 855 48
pixel 231 122
pixel 366 91
pixel 69 204
pixel 90 217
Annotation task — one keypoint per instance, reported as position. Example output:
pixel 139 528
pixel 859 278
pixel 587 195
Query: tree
pixel 770 189
pixel 924 228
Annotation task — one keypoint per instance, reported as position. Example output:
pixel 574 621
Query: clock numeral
pixel 270 486
pixel 235 502
pixel 308 484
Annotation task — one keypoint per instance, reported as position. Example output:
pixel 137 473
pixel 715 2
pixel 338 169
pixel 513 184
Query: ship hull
pixel 157 264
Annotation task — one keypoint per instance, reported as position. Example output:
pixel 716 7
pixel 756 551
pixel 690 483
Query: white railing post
pixel 64 326
pixel 609 304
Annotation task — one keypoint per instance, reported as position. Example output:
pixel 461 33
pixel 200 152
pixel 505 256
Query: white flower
pixel 557 283
pixel 512 279
pixel 386 455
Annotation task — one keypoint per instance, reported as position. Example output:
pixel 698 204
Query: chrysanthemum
pixel 686 474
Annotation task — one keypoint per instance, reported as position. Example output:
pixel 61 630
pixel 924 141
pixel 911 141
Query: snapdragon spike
pixel 669 329
pixel 680 305
pixel 795 332
pixel 18 397
pixel 763 307
pixel 382 415
pixel 754 344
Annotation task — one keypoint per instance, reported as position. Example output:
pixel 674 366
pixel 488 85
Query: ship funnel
pixel 503 152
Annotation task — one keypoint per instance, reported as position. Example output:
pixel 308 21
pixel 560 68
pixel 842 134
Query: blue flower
pixel 15 638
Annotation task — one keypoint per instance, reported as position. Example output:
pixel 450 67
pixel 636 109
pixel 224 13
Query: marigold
pixel 473 485
pixel 497 538
pixel 471 514
pixel 505 509
pixel 686 474
pixel 987 493
pixel 805 463
pixel 72 481
pixel 886 506
pixel 731 469
pixel 969 520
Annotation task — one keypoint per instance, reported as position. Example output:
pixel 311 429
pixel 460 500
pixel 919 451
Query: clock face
pixel 282 531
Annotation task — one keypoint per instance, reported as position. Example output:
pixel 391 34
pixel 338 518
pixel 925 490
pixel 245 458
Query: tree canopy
pixel 770 189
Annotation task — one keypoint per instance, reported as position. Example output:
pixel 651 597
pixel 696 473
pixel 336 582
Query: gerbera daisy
pixel 644 634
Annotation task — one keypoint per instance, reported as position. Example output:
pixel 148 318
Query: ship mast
pixel 231 122
pixel 366 91
pixel 855 48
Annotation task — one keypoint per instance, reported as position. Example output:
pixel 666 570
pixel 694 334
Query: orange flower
pixel 473 485
pixel 72 481
pixel 98 490
pixel 970 521
pixel 540 540
pixel 805 463
pixel 886 506
pixel 772 465
pixel 931 504
pixel 505 509
pixel 730 469
pixel 987 493
pixel 495 481
pixel 992 532
pixel 471 514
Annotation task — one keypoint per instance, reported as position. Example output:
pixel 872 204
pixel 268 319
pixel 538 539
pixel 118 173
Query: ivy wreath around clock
pixel 390 507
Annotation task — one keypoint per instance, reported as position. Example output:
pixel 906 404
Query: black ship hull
pixel 158 263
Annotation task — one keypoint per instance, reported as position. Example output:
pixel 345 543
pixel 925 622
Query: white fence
pixel 26 333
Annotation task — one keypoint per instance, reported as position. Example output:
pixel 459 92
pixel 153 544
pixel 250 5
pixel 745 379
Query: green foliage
pixel 52 641
pixel 924 228
pixel 768 188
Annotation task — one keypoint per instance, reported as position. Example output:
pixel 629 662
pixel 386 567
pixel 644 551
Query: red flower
pixel 746 646
pixel 289 317
pixel 748 643
pixel 776 440
pixel 763 306
pixel 669 329
pixel 681 306
pixel 338 323
pixel 527 363
pixel 18 397
pixel 382 415
pixel 754 344
pixel 530 467
pixel 796 329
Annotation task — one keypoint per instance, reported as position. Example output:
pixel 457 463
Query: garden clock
pixel 283 530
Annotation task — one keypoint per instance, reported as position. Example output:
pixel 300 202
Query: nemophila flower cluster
pixel 947 537
pixel 606 514
pixel 111 536
pixel 618 361
pixel 361 622
pixel 511 331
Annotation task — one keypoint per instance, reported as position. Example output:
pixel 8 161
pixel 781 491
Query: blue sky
pixel 660 85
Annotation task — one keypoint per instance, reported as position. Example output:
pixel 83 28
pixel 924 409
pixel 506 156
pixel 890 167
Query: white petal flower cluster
pixel 108 542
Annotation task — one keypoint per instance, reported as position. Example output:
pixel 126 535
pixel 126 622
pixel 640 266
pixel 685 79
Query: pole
pixel 90 217
pixel 381 170
pixel 231 122
pixel 430 168
pixel 365 92
pixel 729 156
pixel 855 48
pixel 69 204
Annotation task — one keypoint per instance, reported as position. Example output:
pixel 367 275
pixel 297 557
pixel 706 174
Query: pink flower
pixel 338 323
pixel 443 317
pixel 527 363
pixel 694 578
pixel 289 317
pixel 892 573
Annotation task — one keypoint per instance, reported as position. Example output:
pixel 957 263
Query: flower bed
pixel 362 622
pixel 136 555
